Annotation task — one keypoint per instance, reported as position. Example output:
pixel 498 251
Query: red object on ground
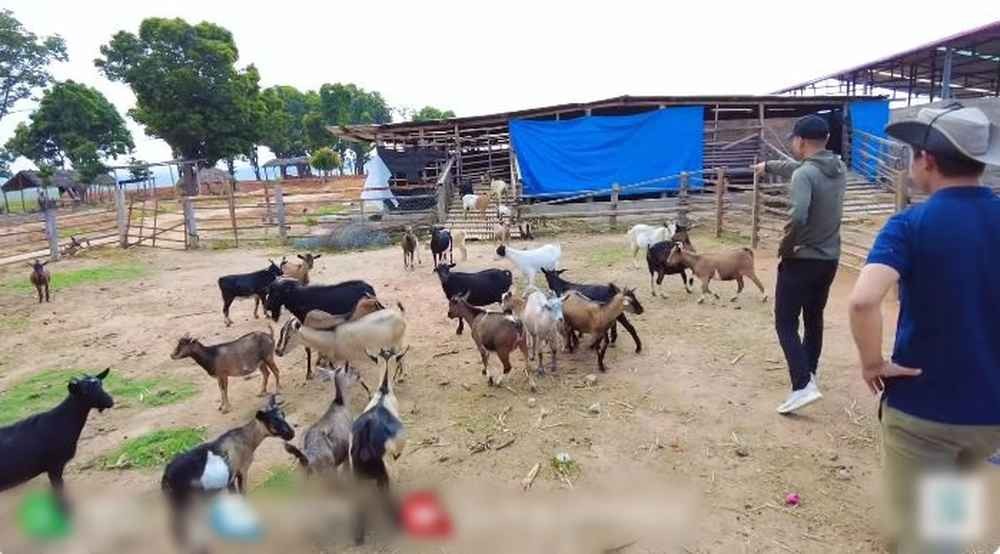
pixel 423 516
pixel 792 499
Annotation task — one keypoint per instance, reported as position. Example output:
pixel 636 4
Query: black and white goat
pixel 440 243
pixel 483 287
pixel 222 464
pixel 376 433
pixel 46 442
pixel 245 285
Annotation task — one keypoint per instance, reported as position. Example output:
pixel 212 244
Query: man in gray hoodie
pixel 809 251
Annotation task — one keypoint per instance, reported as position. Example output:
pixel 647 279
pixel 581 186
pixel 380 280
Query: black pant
pixel 803 287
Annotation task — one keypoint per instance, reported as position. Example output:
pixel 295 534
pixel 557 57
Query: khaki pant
pixel 913 447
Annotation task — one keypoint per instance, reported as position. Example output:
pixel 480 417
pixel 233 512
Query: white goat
pixel 458 241
pixel 640 237
pixel 504 212
pixel 475 202
pixel 348 342
pixel 530 262
pixel 498 187
pixel 543 320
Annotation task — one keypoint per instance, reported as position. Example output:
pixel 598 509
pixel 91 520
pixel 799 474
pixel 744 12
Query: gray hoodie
pixel 817 190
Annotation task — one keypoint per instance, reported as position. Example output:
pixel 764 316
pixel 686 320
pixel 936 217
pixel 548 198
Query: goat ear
pixel 317 256
pixel 560 271
pixel 372 357
pixel 451 266
pixel 299 256
pixel 103 374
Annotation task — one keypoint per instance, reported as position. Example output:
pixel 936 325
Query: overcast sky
pixel 480 57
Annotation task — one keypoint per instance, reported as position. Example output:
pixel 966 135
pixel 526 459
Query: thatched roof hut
pixel 300 163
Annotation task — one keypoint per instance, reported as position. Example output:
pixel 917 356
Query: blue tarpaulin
pixel 561 158
pixel 871 117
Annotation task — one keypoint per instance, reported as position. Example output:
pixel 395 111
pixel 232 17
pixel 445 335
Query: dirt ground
pixel 695 410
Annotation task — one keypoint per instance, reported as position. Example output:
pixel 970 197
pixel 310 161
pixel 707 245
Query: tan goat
pixel 581 314
pixel 733 265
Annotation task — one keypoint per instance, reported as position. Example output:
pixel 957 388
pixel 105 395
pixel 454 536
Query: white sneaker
pixel 800 398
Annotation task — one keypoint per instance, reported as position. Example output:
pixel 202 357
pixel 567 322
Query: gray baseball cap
pixel 954 131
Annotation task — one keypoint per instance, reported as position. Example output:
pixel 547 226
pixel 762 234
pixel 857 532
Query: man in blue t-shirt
pixel 940 407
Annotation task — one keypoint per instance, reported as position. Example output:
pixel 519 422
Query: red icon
pixel 424 517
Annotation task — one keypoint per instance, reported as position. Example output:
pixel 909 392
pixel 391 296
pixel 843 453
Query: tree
pixel 6 158
pixel 138 170
pixel 24 61
pixel 284 130
pixel 74 123
pixel 429 113
pixel 325 160
pixel 188 90
pixel 347 104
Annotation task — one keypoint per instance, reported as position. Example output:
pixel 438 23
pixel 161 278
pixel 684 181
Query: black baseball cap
pixel 811 127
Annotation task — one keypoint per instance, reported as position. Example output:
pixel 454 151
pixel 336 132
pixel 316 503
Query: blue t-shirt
pixel 947 253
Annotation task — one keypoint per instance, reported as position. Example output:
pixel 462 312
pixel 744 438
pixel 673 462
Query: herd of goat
pixel 347 326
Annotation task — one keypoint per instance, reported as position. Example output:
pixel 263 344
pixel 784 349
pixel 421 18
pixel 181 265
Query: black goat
pixel 656 261
pixel 377 432
pixel 597 293
pixel 339 299
pixel 46 442
pixel 484 287
pixel 245 285
pixel 220 464
pixel 440 243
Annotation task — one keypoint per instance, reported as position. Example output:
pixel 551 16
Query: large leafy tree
pixel 6 158
pixel 345 104
pixel 429 113
pixel 188 89
pixel 284 130
pixel 24 60
pixel 73 123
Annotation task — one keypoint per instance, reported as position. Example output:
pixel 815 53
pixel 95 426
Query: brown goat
pixel 410 246
pixel 733 265
pixel 492 332
pixel 584 315
pixel 40 277
pixel 299 270
pixel 237 358
pixel 318 319
pixel 501 233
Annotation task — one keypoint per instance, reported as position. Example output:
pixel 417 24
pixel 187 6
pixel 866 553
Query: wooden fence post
pixel 755 211
pixel 232 214
pixel 682 201
pixel 51 230
pixel 720 197
pixel 613 218
pixel 279 210
pixel 268 218
pixel 122 217
pixel 190 223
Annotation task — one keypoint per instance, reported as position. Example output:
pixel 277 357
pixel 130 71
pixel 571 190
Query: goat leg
pixel 756 281
pixel 631 331
pixel 309 369
pixel 684 279
pixel 739 288
pixel 601 351
pixel 56 480
pixel 263 385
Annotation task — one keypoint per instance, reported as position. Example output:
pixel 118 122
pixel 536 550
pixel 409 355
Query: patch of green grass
pixel 335 209
pixel 607 256
pixel 152 449
pixel 44 390
pixel 61 280
pixel 565 468
pixel 13 322
pixel 280 480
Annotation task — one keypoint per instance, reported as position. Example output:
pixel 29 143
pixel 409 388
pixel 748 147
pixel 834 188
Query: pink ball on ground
pixel 792 499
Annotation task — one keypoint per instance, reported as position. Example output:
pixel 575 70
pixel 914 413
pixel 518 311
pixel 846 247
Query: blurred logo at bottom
pixel 951 508
pixel 423 516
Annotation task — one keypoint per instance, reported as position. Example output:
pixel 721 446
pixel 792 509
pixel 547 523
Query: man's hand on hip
pixel 875 375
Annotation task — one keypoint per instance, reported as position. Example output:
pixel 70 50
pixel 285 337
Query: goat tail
pixel 748 251
pixel 303 460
